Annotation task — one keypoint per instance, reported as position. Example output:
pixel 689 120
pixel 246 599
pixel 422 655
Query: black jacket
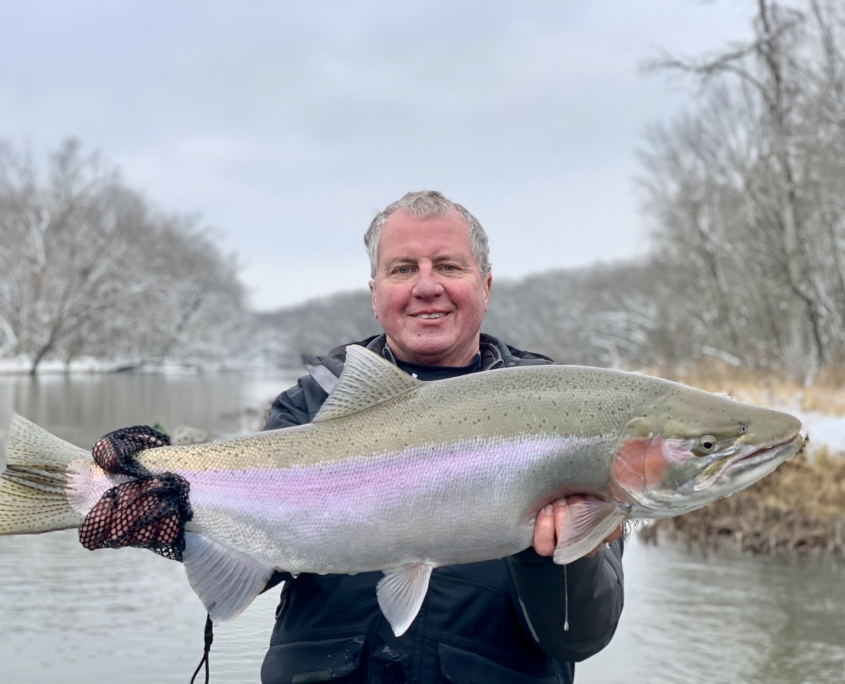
pixel 499 621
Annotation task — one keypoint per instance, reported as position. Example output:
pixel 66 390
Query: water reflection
pixel 70 615
pixel 81 408
pixel 725 618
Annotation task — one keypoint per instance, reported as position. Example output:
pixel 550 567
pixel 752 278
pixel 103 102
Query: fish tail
pixel 34 483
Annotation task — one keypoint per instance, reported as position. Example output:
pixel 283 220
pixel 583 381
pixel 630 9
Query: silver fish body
pixel 404 476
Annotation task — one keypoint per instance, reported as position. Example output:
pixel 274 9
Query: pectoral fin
pixel 587 523
pixel 401 593
pixel 225 579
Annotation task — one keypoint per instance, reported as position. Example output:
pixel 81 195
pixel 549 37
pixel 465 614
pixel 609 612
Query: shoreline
pixel 20 366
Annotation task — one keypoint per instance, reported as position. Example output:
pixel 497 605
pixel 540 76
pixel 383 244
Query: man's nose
pixel 427 285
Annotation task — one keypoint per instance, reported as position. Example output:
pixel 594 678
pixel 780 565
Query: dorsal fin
pixel 367 380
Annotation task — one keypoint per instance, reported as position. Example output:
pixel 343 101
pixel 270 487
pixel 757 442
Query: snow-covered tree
pixel 87 267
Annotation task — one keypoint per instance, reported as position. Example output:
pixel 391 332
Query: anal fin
pixel 225 579
pixel 587 523
pixel 401 593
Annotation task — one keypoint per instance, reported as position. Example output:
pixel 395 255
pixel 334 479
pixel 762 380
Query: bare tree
pixel 87 267
pixel 748 187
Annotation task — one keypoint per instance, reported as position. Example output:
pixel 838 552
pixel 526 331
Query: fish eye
pixel 742 429
pixel 707 443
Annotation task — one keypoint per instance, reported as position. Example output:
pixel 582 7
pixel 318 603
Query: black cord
pixel 209 637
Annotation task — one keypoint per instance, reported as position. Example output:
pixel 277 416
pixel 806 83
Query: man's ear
pixel 487 282
pixel 373 297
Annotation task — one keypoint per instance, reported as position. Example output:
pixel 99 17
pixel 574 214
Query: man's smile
pixel 430 316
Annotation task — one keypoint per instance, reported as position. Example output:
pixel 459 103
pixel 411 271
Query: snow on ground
pixel 20 365
pixel 823 430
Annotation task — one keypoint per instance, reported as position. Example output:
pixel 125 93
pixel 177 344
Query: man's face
pixel 429 295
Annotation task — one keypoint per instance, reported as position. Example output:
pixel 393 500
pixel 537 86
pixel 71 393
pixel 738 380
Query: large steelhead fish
pixel 404 476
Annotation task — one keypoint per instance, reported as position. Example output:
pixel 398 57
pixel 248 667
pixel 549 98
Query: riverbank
pixel 22 365
pixel 800 508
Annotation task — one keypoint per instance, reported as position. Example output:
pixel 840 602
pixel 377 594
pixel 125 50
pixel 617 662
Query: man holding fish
pixel 403 512
pixel 519 619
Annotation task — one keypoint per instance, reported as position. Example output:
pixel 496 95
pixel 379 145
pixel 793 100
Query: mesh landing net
pixel 148 513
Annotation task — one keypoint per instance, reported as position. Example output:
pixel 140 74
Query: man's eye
pixel 449 267
pixel 404 270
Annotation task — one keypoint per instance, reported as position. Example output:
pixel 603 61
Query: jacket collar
pixel 494 354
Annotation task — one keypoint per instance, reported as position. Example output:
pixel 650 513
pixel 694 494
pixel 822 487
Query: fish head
pixel 687 448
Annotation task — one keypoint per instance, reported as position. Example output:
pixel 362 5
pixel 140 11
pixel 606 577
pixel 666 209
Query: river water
pixel 71 615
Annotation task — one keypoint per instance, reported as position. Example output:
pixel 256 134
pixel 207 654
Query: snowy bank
pixel 21 365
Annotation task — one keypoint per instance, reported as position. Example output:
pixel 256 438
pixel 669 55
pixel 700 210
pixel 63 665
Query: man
pixel 517 620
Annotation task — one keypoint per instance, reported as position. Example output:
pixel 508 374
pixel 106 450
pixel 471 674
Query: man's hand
pixel 552 518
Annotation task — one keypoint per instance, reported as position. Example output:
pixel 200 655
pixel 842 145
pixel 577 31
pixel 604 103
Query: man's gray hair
pixel 424 205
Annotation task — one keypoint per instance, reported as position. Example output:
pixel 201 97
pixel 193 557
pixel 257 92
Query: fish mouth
pixel 770 455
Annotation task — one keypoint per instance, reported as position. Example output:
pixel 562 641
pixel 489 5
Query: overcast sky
pixel 288 125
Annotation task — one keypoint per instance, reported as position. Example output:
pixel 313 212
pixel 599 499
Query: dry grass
pixel 826 394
